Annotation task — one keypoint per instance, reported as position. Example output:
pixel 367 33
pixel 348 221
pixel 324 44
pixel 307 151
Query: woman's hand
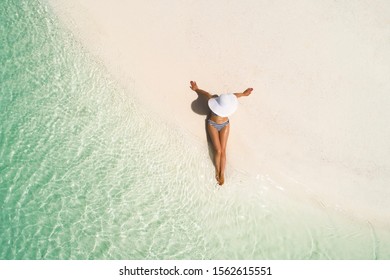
pixel 246 92
pixel 194 86
pixel 199 91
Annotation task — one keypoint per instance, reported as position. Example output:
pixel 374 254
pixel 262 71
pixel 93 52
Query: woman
pixel 218 124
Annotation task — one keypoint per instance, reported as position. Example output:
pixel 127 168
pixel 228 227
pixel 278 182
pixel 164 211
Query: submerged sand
pixel 317 122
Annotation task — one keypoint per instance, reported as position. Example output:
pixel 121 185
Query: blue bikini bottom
pixel 218 126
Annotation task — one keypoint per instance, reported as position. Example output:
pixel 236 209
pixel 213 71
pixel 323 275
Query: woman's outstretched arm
pixel 247 92
pixel 195 88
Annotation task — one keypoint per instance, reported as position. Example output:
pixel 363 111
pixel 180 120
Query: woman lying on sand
pixel 218 124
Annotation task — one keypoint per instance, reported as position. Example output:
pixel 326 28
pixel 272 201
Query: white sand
pixel 318 120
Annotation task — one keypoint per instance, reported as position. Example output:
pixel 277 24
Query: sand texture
pixel 318 119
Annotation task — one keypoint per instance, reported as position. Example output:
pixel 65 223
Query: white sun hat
pixel 224 105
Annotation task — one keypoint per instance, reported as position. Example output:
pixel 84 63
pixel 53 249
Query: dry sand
pixel 318 120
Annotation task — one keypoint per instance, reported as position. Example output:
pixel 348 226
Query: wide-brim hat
pixel 224 105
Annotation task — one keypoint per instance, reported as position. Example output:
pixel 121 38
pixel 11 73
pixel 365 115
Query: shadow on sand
pixel 200 107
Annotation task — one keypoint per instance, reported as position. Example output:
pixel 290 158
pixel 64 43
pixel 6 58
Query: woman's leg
pixel 214 135
pixel 223 137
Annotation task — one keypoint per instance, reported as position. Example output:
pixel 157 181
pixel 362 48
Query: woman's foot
pixel 221 179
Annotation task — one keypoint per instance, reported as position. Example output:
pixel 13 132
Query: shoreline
pixel 283 139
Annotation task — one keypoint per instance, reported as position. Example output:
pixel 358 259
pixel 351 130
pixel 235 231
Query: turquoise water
pixel 86 173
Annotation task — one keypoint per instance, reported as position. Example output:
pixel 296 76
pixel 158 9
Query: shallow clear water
pixel 85 173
